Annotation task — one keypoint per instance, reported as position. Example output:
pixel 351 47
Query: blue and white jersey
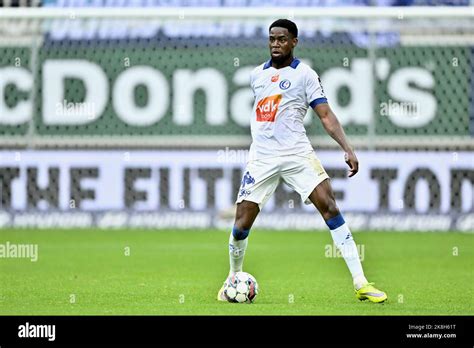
pixel 282 98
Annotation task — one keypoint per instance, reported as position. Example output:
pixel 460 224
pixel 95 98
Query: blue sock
pixel 237 245
pixel 240 234
pixel 335 222
pixel 343 240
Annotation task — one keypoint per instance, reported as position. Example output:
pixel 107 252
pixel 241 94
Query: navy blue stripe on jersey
pixel 293 64
pixel 318 101
pixel 335 222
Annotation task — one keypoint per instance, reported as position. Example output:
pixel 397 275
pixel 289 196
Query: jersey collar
pixel 293 64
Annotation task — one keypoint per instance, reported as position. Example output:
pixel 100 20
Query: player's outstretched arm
pixel 334 129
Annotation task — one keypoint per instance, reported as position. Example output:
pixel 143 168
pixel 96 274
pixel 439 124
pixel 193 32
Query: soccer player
pixel 283 88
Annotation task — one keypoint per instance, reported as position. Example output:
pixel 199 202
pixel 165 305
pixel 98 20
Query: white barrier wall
pixel 440 183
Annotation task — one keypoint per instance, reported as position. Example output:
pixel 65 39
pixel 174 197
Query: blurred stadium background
pixel 136 113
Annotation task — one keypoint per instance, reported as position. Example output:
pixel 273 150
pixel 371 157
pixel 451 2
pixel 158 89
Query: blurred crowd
pixel 229 3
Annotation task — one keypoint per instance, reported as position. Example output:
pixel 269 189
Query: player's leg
pixel 246 213
pixel 258 184
pixel 323 199
pixel 306 175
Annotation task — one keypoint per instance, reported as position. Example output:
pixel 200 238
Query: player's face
pixel 281 44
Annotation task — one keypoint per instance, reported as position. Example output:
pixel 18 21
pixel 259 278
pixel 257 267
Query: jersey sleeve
pixel 314 90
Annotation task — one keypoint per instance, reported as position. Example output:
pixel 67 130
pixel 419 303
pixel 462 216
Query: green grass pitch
pixel 87 272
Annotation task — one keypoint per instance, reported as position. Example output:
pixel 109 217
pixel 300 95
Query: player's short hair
pixel 285 23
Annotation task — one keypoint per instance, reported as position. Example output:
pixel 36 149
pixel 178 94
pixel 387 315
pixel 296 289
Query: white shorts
pixel 261 177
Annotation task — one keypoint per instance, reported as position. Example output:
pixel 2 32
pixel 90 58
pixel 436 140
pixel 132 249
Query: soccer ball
pixel 241 287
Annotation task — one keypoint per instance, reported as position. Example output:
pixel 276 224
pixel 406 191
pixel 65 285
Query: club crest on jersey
pixel 267 108
pixel 275 78
pixel 285 84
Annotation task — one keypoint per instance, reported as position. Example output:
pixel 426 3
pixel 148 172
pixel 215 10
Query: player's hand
pixel 352 162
